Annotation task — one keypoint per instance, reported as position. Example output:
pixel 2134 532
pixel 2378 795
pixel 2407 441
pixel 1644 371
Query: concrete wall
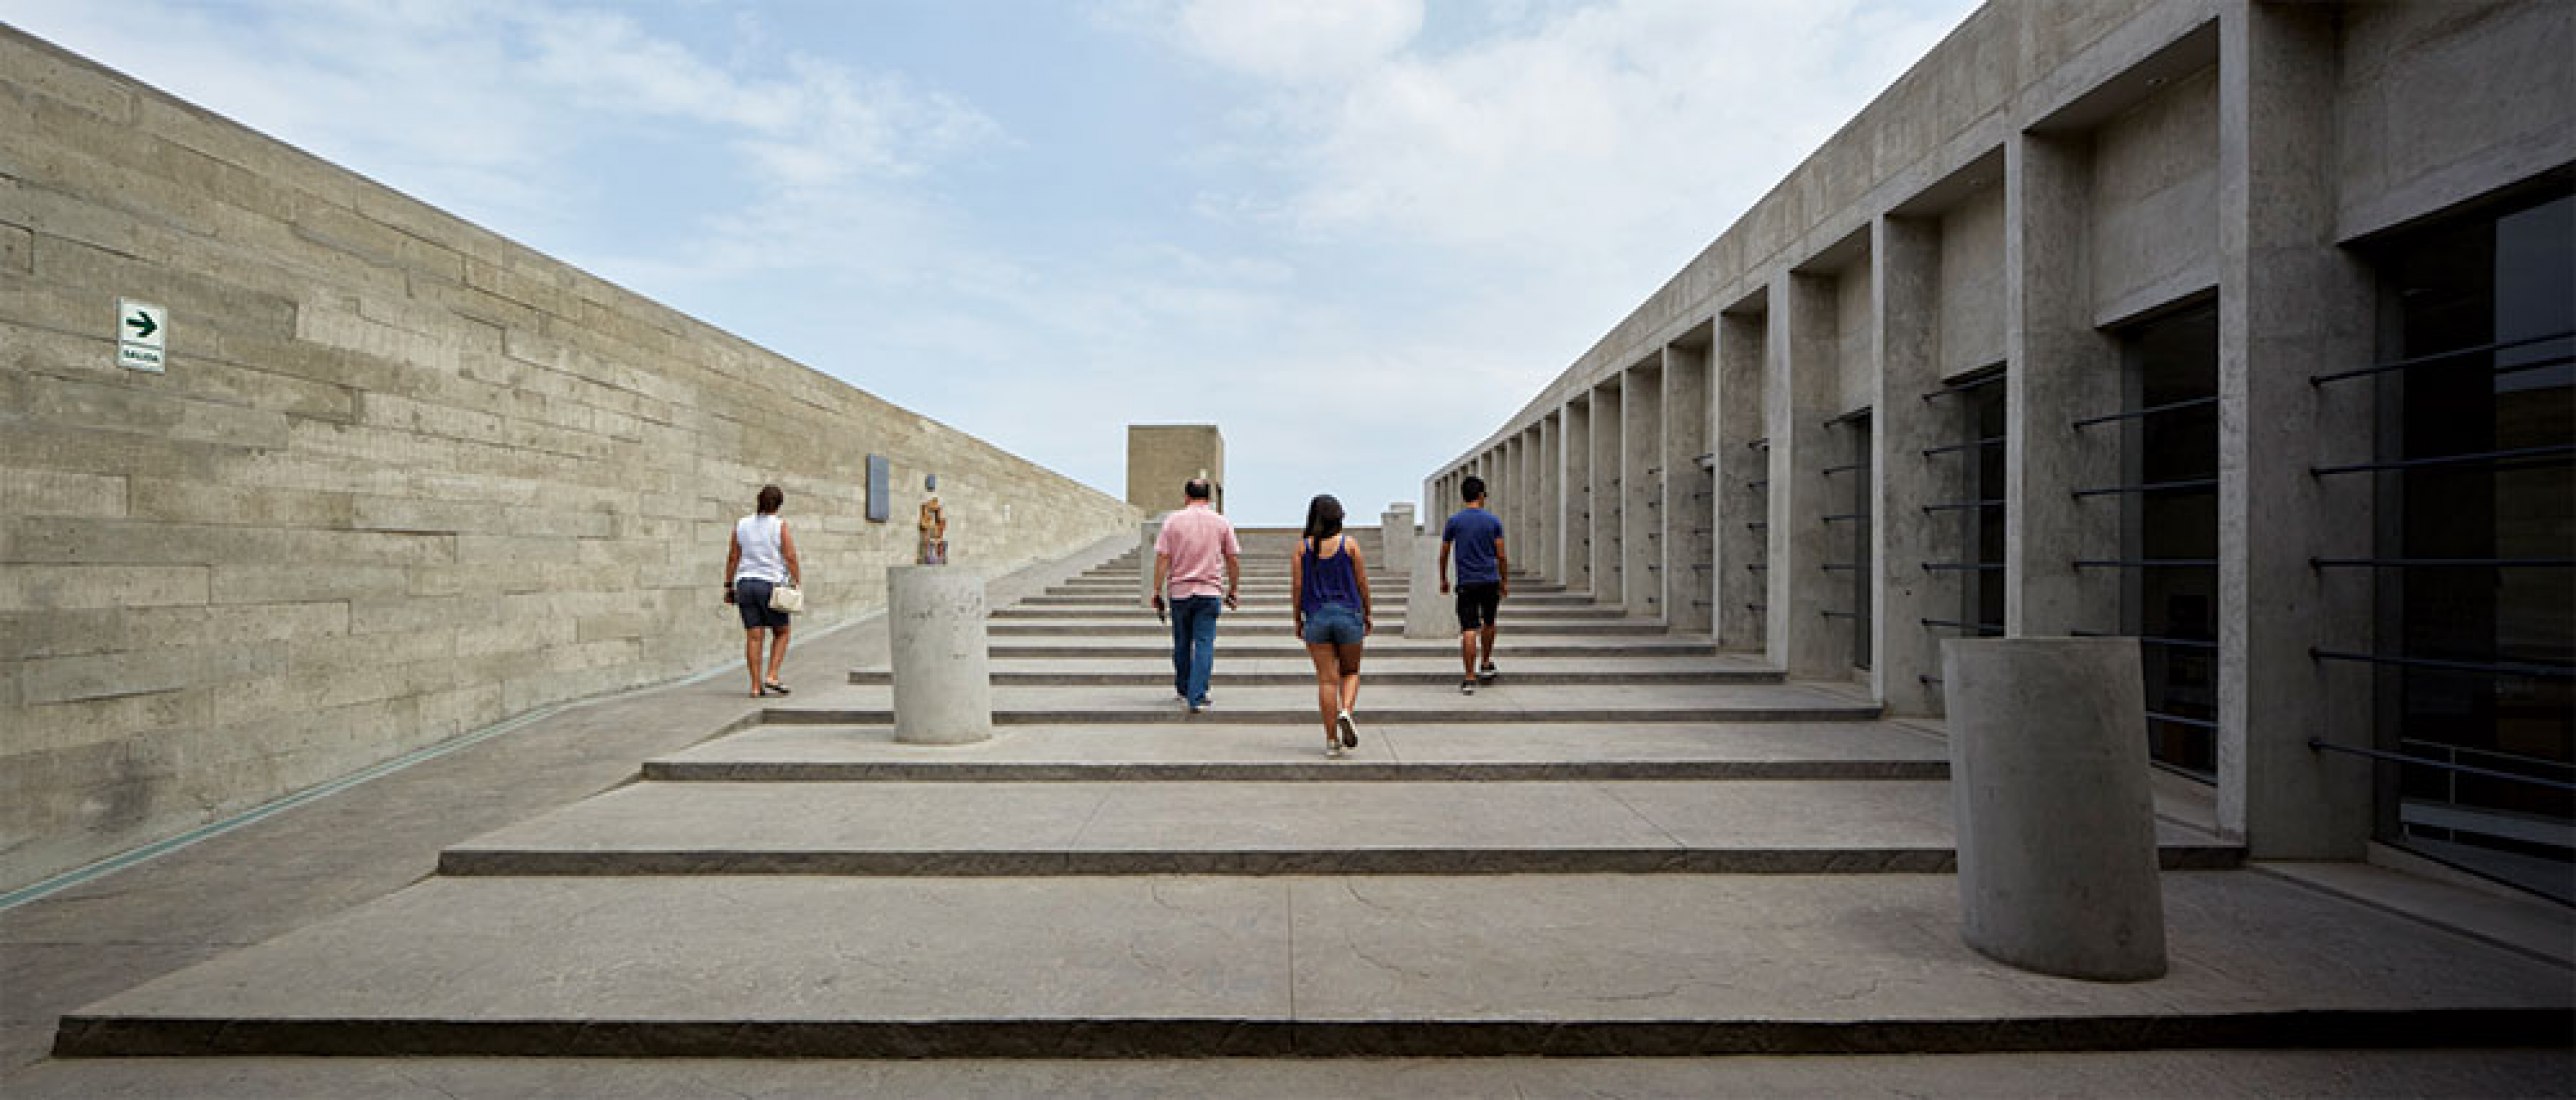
pixel 1161 458
pixel 2048 173
pixel 402 478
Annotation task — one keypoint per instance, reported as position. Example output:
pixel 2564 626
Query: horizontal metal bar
pixel 2150 410
pixel 2146 563
pixel 1963 387
pixel 1757 525
pixel 1844 517
pixel 1757 567
pixel 1844 468
pixel 1704 458
pixel 2483 668
pixel 1763 483
pixel 1762 443
pixel 2441 563
pixel 2322 745
pixel 2176 719
pixel 1929 680
pixel 1962 505
pixel 2150 639
pixel 1860 413
pixel 1989 441
pixel 1962 566
pixel 1841 614
pixel 1757 607
pixel 1954 624
pixel 2515 455
pixel 2437 357
pixel 1840 567
pixel 2151 487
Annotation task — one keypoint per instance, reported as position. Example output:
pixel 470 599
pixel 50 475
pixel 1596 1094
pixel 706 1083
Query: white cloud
pixel 1299 42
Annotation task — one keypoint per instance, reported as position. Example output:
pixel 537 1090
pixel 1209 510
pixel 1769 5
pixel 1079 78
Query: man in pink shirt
pixel 1195 544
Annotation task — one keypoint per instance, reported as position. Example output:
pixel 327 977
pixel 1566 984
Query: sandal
pixel 774 688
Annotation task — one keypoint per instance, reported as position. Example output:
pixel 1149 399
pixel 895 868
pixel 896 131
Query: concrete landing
pixel 1186 966
pixel 1385 704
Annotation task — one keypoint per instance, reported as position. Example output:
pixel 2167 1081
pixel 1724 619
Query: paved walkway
pixel 1700 860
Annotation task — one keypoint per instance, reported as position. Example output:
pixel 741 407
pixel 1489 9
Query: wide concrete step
pixel 1439 670
pixel 1292 751
pixel 1233 965
pixel 1143 623
pixel 1391 610
pixel 1215 827
pixel 1386 704
pixel 1234 644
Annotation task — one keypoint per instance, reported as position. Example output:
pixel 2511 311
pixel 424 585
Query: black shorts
pixel 751 597
pixel 1477 604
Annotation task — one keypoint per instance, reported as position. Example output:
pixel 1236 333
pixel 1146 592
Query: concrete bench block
pixel 2056 824
pixel 943 685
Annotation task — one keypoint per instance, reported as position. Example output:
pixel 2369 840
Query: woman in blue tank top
pixel 1328 586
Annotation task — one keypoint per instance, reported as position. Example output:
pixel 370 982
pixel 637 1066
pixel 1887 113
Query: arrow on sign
pixel 143 326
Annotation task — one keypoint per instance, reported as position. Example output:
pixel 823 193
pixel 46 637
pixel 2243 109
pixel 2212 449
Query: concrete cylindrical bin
pixel 943 685
pixel 2058 870
pixel 1146 533
pixel 1427 613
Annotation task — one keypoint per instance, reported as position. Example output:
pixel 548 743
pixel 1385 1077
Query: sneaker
pixel 1350 733
pixel 1466 687
pixel 1332 750
pixel 1487 673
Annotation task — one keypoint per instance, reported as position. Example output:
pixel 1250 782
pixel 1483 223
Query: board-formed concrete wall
pixel 402 478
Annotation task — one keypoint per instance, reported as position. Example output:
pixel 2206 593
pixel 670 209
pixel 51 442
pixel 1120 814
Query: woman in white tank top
pixel 761 558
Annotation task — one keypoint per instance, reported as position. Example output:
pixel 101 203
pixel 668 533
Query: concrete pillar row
pixel 1906 298
pixel 1804 372
pixel 1689 495
pixel 1641 502
pixel 1736 418
pixel 1609 567
pixel 2291 303
pixel 1574 543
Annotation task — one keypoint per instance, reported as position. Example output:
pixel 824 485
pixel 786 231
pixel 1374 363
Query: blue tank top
pixel 1330 580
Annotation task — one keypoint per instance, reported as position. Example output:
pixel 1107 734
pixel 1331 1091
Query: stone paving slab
pixel 1249 827
pixel 1329 965
pixel 2180 1074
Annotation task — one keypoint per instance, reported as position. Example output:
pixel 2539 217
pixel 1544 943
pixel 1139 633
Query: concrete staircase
pixel 1631 845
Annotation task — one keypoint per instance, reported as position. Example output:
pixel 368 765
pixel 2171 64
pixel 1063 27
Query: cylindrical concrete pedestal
pixel 2056 825
pixel 1427 613
pixel 1146 533
pixel 943 685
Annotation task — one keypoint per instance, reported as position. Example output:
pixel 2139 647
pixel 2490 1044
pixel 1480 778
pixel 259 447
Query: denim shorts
pixel 1334 624
pixel 751 598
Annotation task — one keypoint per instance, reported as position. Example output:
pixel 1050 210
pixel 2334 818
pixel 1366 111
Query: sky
pixel 1354 234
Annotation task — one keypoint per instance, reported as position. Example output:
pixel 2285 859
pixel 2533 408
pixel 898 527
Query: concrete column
pixel 1609 567
pixel 1531 511
pixel 1641 498
pixel 1427 613
pixel 2061 369
pixel 1803 378
pixel 1907 269
pixel 943 686
pixel 1394 540
pixel 1688 494
pixel 2056 825
pixel 1736 418
pixel 1547 544
pixel 1511 498
pixel 2290 304
pixel 1146 533
pixel 1574 558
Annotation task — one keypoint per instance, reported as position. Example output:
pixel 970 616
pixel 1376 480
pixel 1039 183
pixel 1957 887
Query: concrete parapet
pixel 943 684
pixel 2056 826
pixel 1146 534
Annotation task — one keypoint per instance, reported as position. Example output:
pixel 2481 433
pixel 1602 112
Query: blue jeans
pixel 1194 645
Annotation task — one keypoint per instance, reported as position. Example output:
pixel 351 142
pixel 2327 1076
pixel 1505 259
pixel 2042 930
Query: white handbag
pixel 787 598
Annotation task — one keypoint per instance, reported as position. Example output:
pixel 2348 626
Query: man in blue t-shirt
pixel 1476 536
